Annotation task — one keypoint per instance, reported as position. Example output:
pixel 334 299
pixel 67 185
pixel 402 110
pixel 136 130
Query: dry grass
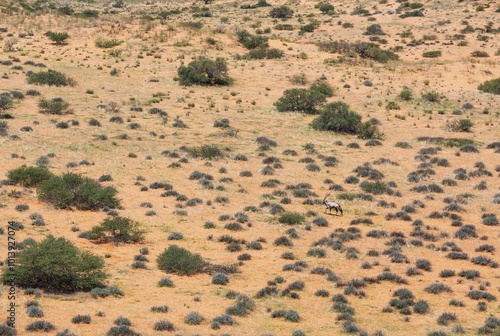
pixel 146 62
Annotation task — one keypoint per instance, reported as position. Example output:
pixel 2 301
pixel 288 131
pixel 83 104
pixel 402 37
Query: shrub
pixel 224 319
pixel 165 282
pixel 292 316
pixel 159 309
pixel 326 8
pixel 34 311
pixel 337 117
pixel 243 306
pixel 421 307
pixel 423 264
pixel 6 101
pixel 74 190
pixel 40 325
pixel 58 38
pixel 406 94
pixel 29 176
pixel 300 100
pixel 437 288
pixel 445 318
pixel 220 279
pixel 283 241
pixel 55 264
pixel 291 218
pixel 55 106
pixel 264 53
pixel 208 152
pixel 121 331
pixel 491 86
pixel 374 29
pixel 50 78
pixel 250 41
pixel 163 325
pixel 117 230
pixel 179 260
pixel 193 318
pixel 432 54
pixel 489 219
pixel 281 12
pixel 77 319
pixel 105 44
pixel 462 125
pixel 479 295
pixel 204 71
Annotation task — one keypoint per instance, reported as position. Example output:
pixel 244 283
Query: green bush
pixel 300 100
pixel 204 71
pixel 29 176
pixel 105 44
pixel 250 41
pixel 5 101
pixel 491 86
pixel 55 106
pixel 117 230
pixel 50 78
pixel 208 152
pixel 432 54
pixel 291 218
pixel 73 190
pixel 326 8
pixel 264 53
pixel 462 125
pixel 55 264
pixel 374 29
pixel 58 38
pixel 337 117
pixel 373 51
pixel 179 260
pixel 406 94
pixel 281 12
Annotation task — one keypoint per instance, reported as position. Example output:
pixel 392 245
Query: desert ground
pixel 378 245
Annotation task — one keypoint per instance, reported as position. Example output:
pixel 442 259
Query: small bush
pixel 163 325
pixel 118 230
pixel 105 44
pixel 77 319
pixel 490 86
pixel 50 78
pixel 204 71
pixel 74 190
pixel 165 282
pixel 220 279
pixel 179 260
pixel 40 325
pixel 121 331
pixel 437 288
pixel 421 307
pixel 29 176
pixel 445 318
pixel 291 218
pixel 480 295
pixel 281 12
pixel 193 318
pixel 300 100
pixel 432 54
pixel 208 152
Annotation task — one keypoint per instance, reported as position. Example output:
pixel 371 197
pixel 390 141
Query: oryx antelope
pixel 332 205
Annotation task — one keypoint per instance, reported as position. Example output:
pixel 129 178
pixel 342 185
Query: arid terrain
pixel 432 225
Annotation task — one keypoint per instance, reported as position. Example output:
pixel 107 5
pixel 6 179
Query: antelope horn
pixel 326 196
